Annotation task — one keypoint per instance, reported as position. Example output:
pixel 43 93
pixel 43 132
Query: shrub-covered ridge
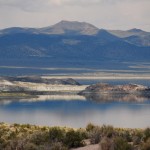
pixel 31 137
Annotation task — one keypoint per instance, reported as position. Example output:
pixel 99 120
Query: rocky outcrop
pixel 103 92
pixel 104 87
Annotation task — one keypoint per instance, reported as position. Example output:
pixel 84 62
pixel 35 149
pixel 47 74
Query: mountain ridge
pixel 74 40
pixel 133 36
pixel 71 22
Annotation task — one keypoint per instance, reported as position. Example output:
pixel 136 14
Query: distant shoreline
pixel 89 74
pixel 105 77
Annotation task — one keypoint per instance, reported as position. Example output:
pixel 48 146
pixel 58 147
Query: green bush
pixel 146 134
pixel 146 146
pixel 137 137
pixel 39 137
pixel 58 146
pixel 107 131
pixel 56 134
pixel 73 139
pixel 17 144
pixel 136 140
pixel 105 144
pixel 30 146
pixel 127 136
pixel 90 127
pixel 121 144
pixel 95 135
pixel 83 133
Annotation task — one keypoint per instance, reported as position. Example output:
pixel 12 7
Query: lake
pixel 76 111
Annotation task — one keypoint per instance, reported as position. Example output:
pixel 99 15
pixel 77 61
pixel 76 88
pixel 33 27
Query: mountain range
pixel 72 40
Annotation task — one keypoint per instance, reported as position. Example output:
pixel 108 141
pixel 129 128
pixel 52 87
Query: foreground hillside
pixel 31 137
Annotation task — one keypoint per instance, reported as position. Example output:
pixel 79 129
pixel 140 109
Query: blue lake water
pixel 77 112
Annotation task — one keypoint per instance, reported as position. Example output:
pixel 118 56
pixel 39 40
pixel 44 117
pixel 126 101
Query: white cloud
pixel 37 5
pixel 113 14
pixel 23 4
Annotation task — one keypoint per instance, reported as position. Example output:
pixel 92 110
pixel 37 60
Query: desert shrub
pixel 39 137
pixel 43 129
pixel 95 135
pixel 73 139
pixel 58 146
pixel 12 135
pixel 83 133
pixel 31 141
pixel 16 125
pixel 3 143
pixel 25 126
pixel 121 144
pixel 146 145
pixel 107 131
pixel 17 143
pixel 90 127
pixel 137 137
pixel 56 134
pixel 127 136
pixel 105 144
pixel 30 146
pixel 136 140
pixel 146 134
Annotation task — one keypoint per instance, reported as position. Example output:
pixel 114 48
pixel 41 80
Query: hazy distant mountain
pixel 68 27
pixel 128 33
pixel 14 30
pixel 135 36
pixel 74 41
pixel 63 27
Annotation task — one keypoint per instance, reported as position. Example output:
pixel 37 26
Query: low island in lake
pixel 104 92
pixel 34 86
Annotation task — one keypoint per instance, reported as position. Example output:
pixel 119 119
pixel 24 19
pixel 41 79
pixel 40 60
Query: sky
pixel 106 14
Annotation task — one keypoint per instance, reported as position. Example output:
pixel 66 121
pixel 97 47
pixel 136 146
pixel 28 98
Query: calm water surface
pixel 76 111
